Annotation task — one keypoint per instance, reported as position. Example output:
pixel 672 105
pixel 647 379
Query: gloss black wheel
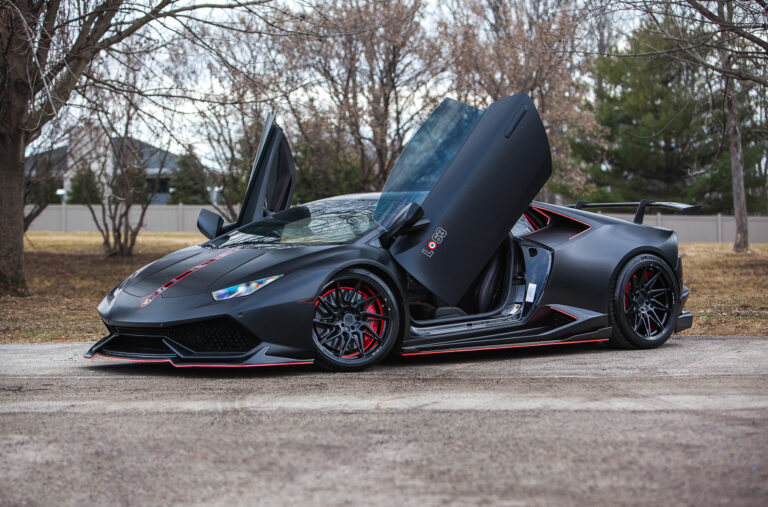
pixel 356 321
pixel 646 303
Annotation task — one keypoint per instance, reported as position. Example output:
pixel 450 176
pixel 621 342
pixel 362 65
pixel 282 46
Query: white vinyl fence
pixel 183 218
pixel 159 218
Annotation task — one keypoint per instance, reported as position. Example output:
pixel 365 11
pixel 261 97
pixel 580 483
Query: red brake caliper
pixel 374 307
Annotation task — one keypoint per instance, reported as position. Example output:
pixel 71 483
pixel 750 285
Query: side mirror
pixel 407 220
pixel 209 223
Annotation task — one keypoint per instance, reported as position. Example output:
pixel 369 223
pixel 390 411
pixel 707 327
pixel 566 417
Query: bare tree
pixel 44 173
pixel 761 104
pixel 125 170
pixel 702 29
pixel 369 69
pixel 48 163
pixel 232 133
pixel 238 98
pixel 47 48
pixel 729 38
pixel 725 52
pixel 502 47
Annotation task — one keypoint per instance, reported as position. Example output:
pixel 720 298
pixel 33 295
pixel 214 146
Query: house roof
pixel 57 158
pixel 154 159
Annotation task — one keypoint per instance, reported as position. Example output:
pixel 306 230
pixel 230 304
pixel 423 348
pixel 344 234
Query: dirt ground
pixel 68 276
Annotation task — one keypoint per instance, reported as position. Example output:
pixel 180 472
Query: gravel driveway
pixel 583 424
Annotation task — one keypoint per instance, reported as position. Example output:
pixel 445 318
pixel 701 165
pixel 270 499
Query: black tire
pixel 645 303
pixel 356 322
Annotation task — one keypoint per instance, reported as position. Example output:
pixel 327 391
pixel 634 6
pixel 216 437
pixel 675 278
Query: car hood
pixel 199 269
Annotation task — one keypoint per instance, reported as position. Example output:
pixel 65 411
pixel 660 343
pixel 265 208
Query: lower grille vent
pixel 150 345
pixel 216 335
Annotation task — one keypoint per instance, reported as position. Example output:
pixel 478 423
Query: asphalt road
pixel 584 424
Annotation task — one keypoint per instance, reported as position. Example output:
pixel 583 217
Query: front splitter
pixel 181 357
pixel 284 362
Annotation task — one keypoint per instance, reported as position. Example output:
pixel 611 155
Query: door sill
pixel 432 328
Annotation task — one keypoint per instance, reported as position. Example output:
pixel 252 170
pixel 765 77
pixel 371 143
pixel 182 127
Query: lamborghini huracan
pixel 453 255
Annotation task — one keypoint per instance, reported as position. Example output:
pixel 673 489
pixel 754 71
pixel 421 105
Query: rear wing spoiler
pixel 640 207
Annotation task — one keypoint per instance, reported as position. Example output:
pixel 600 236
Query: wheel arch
pixel 618 338
pixel 582 272
pixel 642 250
pixel 391 278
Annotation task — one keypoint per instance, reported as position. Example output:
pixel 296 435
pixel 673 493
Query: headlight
pixel 243 289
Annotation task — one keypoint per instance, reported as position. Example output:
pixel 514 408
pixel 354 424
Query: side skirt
pixel 600 335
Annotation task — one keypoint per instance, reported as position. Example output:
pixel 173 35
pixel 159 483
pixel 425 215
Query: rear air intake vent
pixel 558 318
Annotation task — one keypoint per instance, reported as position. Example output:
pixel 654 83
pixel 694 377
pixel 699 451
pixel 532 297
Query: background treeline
pixel 641 99
pixel 352 83
pixel 665 135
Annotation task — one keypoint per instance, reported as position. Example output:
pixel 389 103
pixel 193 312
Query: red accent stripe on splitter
pixel 201 365
pixel 520 345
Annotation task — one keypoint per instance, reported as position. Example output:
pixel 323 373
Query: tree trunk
pixel 15 95
pixel 12 281
pixel 741 243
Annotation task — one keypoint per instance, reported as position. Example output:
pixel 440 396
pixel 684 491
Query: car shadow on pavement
pixel 508 354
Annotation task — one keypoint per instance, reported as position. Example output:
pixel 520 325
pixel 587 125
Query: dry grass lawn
pixel 68 276
pixel 729 291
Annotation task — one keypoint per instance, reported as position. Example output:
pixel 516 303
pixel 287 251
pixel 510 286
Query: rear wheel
pixel 645 303
pixel 356 321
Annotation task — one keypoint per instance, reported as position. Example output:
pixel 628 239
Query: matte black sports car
pixel 452 256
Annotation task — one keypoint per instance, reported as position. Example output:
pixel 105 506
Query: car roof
pixel 365 195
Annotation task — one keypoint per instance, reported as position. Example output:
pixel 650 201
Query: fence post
pixel 719 227
pixel 180 218
pixel 658 219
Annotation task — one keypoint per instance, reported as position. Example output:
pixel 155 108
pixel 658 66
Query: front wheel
pixel 356 321
pixel 645 303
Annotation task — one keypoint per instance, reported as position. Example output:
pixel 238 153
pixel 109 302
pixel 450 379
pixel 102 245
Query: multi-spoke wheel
pixel 646 302
pixel 356 321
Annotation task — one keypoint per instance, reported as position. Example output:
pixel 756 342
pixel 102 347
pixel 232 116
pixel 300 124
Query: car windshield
pixel 426 157
pixel 328 221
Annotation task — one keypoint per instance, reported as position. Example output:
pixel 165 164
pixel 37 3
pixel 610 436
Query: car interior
pixel 485 296
pixel 503 274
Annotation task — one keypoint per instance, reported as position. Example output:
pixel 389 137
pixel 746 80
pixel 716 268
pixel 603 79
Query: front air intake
pixel 215 335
